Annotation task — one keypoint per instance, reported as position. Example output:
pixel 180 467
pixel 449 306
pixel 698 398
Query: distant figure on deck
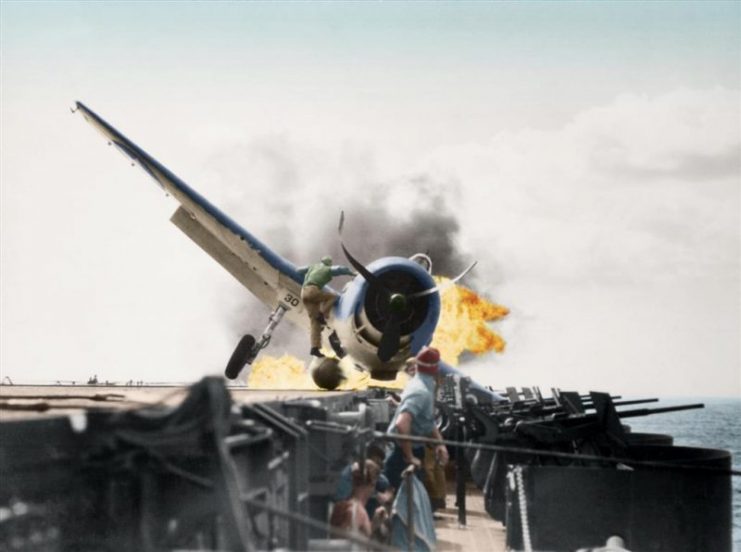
pixel 316 299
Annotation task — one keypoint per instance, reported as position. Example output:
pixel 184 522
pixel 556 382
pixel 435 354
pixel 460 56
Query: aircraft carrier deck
pixel 210 467
pixel 33 402
pixel 29 401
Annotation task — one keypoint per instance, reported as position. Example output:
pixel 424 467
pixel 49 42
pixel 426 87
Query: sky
pixel 587 154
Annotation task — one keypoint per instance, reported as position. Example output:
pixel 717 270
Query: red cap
pixel 427 360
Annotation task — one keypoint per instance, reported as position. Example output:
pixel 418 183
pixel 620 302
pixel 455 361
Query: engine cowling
pixel 363 311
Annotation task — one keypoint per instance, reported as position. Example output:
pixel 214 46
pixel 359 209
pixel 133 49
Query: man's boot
pixel 334 341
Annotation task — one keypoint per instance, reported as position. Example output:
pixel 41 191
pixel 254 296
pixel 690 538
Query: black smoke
pixel 375 226
pixel 371 231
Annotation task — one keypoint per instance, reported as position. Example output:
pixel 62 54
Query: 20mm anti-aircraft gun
pixel 567 470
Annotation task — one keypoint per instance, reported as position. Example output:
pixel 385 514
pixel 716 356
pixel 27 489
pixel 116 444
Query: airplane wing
pixel 263 272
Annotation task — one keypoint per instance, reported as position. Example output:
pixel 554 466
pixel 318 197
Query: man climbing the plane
pixel 317 300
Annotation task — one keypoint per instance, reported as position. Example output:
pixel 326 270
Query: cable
pixel 553 453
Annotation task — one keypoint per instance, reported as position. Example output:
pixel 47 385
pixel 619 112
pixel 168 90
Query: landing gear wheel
pixel 239 357
pixel 326 373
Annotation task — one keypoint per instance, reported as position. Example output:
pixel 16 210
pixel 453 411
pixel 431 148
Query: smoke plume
pixel 299 217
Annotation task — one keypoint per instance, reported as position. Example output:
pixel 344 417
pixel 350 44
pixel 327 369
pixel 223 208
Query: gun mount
pixel 572 449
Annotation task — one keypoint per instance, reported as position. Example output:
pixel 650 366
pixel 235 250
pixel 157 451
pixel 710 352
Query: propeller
pixel 444 286
pixel 364 272
pixel 398 301
pixel 390 338
pixel 391 334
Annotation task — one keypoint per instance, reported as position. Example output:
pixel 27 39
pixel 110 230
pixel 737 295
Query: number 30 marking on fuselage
pixel 291 299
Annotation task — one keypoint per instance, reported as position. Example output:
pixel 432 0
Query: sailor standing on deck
pixel 318 301
pixel 415 416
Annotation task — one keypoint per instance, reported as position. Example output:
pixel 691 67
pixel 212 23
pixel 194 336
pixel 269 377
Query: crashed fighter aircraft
pixel 381 318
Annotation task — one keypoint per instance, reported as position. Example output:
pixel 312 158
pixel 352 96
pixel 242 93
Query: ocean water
pixel 718 426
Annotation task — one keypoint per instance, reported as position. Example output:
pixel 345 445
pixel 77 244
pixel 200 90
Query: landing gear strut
pixel 248 347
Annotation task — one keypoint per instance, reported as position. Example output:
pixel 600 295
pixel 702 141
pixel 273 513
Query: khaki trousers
pixel 317 301
pixel 434 479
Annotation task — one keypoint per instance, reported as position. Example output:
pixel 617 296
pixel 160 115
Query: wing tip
pixel 79 106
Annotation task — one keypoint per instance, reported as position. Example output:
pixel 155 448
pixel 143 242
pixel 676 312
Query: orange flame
pixel 463 327
pixel 286 372
pixel 289 372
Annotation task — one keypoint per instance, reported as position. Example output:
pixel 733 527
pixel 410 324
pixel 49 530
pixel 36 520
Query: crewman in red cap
pixel 415 416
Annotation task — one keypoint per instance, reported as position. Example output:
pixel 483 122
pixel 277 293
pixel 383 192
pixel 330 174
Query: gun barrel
pixel 649 411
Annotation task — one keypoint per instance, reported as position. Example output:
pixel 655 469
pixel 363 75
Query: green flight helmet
pixel 327 260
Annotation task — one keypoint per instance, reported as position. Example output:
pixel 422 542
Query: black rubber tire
pixel 239 357
pixel 327 373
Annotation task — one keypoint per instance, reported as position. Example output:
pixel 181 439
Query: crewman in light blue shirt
pixel 415 416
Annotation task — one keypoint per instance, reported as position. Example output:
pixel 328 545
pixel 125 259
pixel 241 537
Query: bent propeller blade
pixel 444 286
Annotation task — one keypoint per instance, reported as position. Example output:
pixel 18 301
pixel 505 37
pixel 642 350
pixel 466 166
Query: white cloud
pixel 617 239
pixel 645 188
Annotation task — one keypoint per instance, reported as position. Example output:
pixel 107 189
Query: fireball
pixel 464 324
